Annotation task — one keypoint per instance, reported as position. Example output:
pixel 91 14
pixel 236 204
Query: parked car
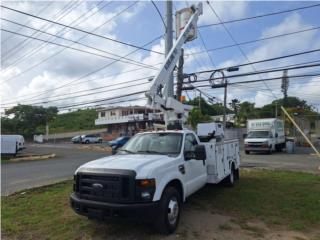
pixel 118 142
pixel 94 138
pixel 76 139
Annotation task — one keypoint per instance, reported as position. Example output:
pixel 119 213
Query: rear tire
pixel 229 182
pixel 169 211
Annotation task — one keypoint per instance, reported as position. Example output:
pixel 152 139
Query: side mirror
pixel 188 155
pixel 200 152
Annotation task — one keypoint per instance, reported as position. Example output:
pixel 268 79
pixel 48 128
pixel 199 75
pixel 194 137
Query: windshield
pixel 119 139
pixel 259 134
pixel 155 143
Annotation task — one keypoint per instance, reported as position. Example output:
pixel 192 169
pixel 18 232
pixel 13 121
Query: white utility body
pixel 154 172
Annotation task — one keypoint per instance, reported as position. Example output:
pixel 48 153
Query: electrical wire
pixel 260 16
pixel 79 43
pixel 37 49
pixel 254 41
pixel 81 30
pixel 77 49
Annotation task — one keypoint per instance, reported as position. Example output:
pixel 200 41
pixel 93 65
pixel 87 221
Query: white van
pixel 11 144
pixel 265 135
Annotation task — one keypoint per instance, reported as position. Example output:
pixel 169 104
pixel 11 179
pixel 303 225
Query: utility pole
pixel 225 101
pixel 284 87
pixel 180 76
pixel 168 45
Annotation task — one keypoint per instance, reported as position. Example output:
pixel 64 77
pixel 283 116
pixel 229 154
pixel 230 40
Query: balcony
pixel 120 119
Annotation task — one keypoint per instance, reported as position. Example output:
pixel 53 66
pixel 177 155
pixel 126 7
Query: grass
pixel 277 198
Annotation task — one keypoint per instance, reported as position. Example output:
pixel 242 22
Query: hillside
pixel 74 121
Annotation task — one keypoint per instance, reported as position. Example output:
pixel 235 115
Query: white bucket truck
pixel 264 135
pixel 155 172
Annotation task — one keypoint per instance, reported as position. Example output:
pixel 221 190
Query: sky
pixel 35 72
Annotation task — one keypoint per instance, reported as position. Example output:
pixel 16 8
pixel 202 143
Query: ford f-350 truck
pixel 152 175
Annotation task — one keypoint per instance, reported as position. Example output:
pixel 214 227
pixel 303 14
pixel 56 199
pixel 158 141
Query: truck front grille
pixel 254 144
pixel 105 187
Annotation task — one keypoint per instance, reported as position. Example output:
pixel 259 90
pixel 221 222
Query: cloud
pixel 226 10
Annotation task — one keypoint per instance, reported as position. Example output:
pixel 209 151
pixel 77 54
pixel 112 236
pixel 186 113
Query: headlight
pixel 145 189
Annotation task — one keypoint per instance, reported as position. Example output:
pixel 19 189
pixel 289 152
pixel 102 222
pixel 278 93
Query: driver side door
pixel 195 170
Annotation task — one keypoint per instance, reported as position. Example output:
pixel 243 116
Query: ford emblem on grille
pixel 97 186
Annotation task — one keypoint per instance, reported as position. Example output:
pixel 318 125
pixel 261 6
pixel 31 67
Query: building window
pixel 103 114
pixel 112 113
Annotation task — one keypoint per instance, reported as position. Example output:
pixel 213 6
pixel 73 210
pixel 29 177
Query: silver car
pixel 93 138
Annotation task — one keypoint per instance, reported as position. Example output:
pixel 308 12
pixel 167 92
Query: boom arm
pixel 155 98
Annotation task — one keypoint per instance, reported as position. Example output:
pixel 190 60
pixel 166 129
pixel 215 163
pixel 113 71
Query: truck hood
pixel 140 163
pixel 254 140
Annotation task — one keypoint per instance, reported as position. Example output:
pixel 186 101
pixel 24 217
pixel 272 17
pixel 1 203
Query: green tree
pixel 235 105
pixel 206 108
pixel 246 111
pixel 24 119
pixel 195 117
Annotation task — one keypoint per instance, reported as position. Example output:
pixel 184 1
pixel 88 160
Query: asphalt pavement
pixel 23 175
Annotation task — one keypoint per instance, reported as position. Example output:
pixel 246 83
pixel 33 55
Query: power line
pixel 158 11
pixel 102 100
pixel 37 49
pixel 260 16
pixel 81 30
pixel 61 14
pixel 98 78
pixel 56 53
pixel 38 13
pixel 238 46
pixel 254 41
pixel 109 103
pixel 98 69
pixel 66 39
pixel 76 49
pixel 261 61
pixel 259 72
pixel 265 79
pixel 46 100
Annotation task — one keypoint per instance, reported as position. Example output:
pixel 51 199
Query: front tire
pixel 169 211
pixel 247 152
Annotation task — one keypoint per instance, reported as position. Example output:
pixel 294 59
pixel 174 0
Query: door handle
pixel 182 169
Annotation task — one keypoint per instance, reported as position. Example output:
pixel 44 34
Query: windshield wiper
pixel 128 151
pixel 152 152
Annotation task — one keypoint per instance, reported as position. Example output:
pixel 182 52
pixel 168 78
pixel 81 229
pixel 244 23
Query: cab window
pixel 190 143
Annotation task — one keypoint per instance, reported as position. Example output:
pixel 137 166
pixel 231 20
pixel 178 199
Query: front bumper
pixel 103 210
pixel 257 149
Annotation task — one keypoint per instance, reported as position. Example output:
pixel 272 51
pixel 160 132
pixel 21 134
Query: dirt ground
pixel 199 224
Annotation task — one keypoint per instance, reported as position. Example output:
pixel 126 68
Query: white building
pixel 127 120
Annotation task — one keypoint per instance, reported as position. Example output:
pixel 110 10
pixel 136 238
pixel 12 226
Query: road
pixel 302 160
pixel 24 175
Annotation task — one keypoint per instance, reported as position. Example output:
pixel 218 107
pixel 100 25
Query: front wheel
pixel 169 211
pixel 247 151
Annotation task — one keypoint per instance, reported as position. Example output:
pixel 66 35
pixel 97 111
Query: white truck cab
pixel 264 135
pixel 152 175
